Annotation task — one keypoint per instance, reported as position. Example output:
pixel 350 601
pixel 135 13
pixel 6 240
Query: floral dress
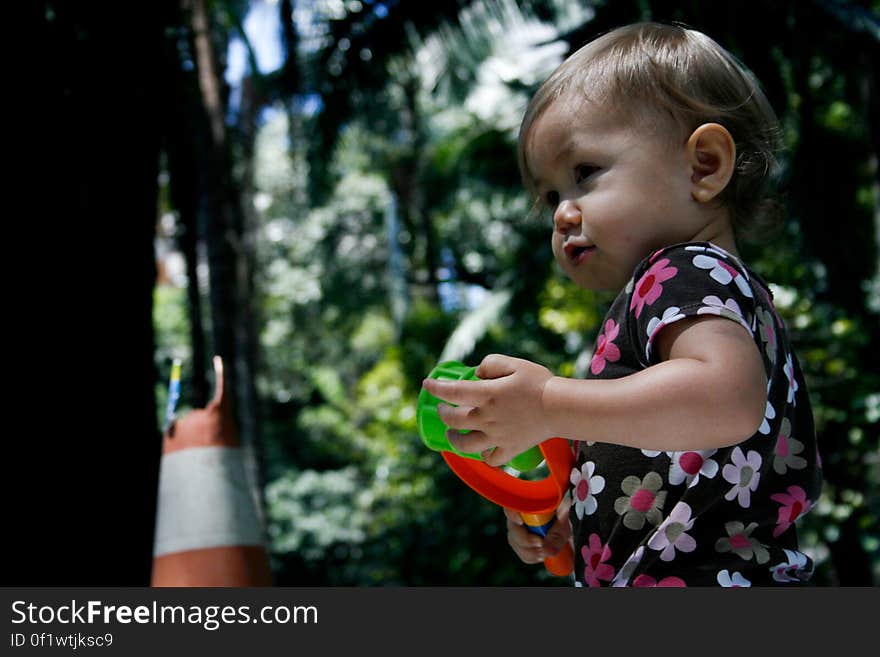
pixel 708 517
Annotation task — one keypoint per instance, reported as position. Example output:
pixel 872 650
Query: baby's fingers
pixel 458 417
pixel 473 442
pixel 512 516
pixel 463 393
pixel 528 547
pixel 558 535
pixel 495 366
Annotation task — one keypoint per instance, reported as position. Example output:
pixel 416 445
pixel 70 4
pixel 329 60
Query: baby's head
pixel 668 80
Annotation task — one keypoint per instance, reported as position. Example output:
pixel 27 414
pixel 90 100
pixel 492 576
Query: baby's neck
pixel 720 233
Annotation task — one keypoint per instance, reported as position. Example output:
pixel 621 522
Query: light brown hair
pixel 672 76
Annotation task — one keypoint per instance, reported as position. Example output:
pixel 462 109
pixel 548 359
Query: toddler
pixel 654 150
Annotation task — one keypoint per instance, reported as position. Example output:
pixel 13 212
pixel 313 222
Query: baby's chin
pixel 594 281
pixel 593 284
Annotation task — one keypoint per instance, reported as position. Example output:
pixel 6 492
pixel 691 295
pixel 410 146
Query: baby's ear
pixel 712 155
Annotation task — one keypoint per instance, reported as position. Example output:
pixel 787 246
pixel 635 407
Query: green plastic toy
pixel 536 501
pixel 433 431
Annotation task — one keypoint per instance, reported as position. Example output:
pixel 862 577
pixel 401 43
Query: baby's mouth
pixel 577 251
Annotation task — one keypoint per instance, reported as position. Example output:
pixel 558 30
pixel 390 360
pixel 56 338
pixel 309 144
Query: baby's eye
pixel 552 199
pixel 584 171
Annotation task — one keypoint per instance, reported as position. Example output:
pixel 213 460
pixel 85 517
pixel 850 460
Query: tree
pixel 85 502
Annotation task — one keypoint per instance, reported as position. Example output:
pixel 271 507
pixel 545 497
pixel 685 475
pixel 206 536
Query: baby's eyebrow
pixel 565 151
pixel 561 154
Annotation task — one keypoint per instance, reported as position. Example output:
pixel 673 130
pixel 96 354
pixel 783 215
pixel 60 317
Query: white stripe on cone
pixel 205 501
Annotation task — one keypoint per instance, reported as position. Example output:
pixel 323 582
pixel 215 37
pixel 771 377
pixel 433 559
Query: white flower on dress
pixel 723 273
pixel 717 250
pixel 744 473
pixel 769 414
pixel 670 315
pixel 789 570
pixel 734 580
pixel 670 535
pixel 625 573
pixel 686 467
pixel 585 485
pixel 729 309
pixel 788 368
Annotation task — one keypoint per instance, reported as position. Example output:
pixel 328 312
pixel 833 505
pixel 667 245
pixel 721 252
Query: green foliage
pixel 171 325
pixel 353 497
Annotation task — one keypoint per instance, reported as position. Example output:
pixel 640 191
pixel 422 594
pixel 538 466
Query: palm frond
pixel 474 325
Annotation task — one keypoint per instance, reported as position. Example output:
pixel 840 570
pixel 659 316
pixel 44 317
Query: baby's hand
pixel 503 411
pixel 531 548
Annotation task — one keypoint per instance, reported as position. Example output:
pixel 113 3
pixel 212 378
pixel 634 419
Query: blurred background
pixel 325 193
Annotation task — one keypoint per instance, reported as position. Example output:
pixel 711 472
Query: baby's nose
pixel 567 216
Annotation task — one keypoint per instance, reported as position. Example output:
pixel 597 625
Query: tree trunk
pixel 180 148
pixel 229 261
pixel 85 512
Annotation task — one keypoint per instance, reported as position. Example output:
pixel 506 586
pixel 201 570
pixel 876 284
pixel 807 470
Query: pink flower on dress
pixel 646 581
pixel 794 504
pixel 595 554
pixel 739 541
pixel 643 500
pixel 606 350
pixel 649 287
pixel 787 450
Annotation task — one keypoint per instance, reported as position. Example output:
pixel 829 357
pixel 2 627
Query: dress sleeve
pixel 684 281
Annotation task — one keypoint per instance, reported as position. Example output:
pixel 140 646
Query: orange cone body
pixel 208 531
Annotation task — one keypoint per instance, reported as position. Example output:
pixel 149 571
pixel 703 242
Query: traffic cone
pixel 208 532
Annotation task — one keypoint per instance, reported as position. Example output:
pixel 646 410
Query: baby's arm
pixel 708 391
